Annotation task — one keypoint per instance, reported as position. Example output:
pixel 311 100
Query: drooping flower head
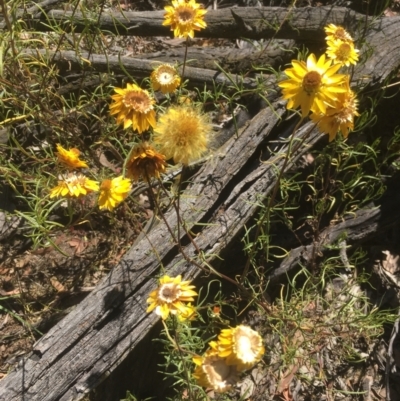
pixel 133 107
pixel 144 161
pixel 212 371
pixel 312 83
pixel 339 115
pixel 241 346
pixel 69 158
pixel 185 17
pixel 342 52
pixel 113 192
pixel 74 185
pixel 165 78
pixel 170 297
pixel 190 313
pixel 335 32
pixel 182 134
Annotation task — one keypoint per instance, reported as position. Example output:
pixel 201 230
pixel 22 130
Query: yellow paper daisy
pixel 341 52
pixel 113 192
pixel 212 371
pixel 339 115
pixel 335 32
pixel 185 17
pixel 74 185
pixel 312 83
pixel 241 346
pixel 165 78
pixel 69 158
pixel 144 161
pixel 133 107
pixel 182 134
pixel 170 297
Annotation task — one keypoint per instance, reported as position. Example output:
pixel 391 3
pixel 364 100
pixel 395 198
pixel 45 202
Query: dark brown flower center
pixel 185 15
pixel 169 293
pixel 341 34
pixel 106 185
pixel 311 82
pixel 343 51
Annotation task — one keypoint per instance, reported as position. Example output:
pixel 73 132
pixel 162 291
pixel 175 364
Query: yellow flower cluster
pixel 316 86
pixel 340 46
pixel 181 134
pixel 237 349
pixel 173 296
pixel 72 185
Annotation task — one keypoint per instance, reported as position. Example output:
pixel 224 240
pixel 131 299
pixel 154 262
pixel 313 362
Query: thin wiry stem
pixel 266 217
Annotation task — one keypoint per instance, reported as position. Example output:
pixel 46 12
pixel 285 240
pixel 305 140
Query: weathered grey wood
pixel 83 348
pixel 380 56
pixel 364 226
pixel 250 22
pixel 234 60
pixel 136 67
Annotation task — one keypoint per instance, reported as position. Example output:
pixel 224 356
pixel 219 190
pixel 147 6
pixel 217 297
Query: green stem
pixel 266 217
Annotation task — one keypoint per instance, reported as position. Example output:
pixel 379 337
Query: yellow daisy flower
pixel 144 161
pixel 134 107
pixel 241 346
pixel 113 192
pixel 185 17
pixel 212 371
pixel 311 83
pixel 165 78
pixel 74 185
pixel 69 158
pixel 341 52
pixel 182 134
pixel 339 116
pixel 337 32
pixel 170 297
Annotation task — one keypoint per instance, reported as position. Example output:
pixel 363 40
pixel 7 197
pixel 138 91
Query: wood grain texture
pixel 82 349
pixel 250 22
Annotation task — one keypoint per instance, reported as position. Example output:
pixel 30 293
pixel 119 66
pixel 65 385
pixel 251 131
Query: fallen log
pixel 84 348
pixel 362 227
pixel 304 23
pixel 381 51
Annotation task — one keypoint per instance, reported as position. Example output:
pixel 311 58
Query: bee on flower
pixel 185 17
pixel 171 297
